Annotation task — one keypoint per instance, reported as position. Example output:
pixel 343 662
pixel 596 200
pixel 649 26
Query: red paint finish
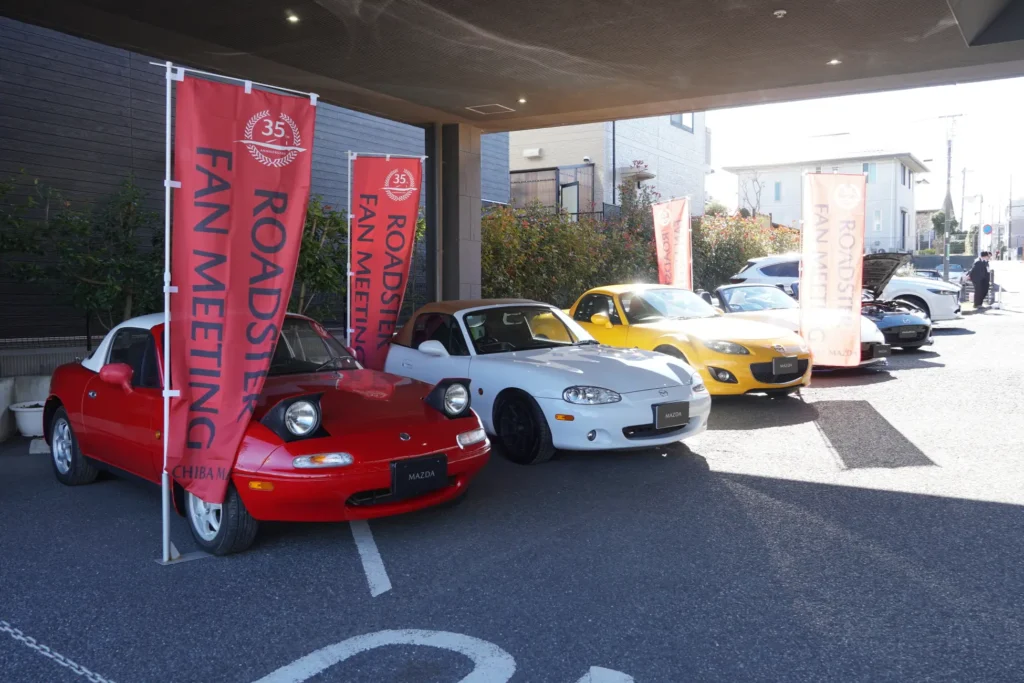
pixel 364 412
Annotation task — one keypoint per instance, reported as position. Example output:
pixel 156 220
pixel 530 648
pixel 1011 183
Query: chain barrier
pixel 45 651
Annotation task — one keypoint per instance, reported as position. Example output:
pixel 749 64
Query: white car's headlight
pixel 728 347
pixel 471 437
pixel 310 462
pixel 588 396
pixel 456 398
pixel 698 386
pixel 301 418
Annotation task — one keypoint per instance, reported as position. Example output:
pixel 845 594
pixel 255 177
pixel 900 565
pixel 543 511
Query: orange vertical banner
pixel 672 240
pixel 832 267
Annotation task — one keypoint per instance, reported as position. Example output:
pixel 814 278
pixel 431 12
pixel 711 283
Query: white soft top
pixel 99 356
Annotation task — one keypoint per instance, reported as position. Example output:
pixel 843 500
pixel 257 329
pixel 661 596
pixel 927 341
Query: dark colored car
pixel 904 325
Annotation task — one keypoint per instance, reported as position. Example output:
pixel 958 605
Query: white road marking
pixel 492 664
pixel 598 674
pixel 373 565
pixel 38 447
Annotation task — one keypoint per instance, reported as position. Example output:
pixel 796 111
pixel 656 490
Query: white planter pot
pixel 29 418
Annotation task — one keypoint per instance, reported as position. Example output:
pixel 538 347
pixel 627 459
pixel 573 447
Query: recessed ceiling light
pixel 522 100
pixel 292 18
pixel 833 62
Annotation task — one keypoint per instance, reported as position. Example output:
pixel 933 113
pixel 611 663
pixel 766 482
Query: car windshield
pixel 744 299
pixel 521 328
pixel 658 304
pixel 956 268
pixel 305 346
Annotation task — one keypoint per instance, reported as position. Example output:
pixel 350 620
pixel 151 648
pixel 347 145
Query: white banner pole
pixel 165 480
pixel 348 269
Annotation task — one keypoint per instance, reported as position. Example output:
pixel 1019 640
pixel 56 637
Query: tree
pixel 752 193
pixel 98 259
pixel 715 208
pixel 939 224
pixel 320 273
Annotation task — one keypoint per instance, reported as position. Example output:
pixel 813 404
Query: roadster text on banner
pixel 243 161
pixel 831 272
pixel 385 206
pixel 672 239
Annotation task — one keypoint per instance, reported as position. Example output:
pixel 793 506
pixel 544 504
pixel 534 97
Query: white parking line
pixel 373 565
pixel 598 674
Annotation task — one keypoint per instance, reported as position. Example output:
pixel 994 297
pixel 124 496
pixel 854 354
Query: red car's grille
pixel 379 496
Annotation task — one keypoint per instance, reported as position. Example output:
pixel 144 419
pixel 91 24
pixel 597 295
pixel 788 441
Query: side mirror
pixel 118 374
pixel 432 347
pixel 707 297
pixel 601 320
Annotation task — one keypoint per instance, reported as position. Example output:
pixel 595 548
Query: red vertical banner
pixel 672 240
pixel 385 197
pixel 831 270
pixel 243 161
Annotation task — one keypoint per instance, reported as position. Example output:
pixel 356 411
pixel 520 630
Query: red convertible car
pixel 329 440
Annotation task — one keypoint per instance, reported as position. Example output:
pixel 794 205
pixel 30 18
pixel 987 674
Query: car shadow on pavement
pixel 855 377
pixel 914 360
pixel 758 412
pixel 952 331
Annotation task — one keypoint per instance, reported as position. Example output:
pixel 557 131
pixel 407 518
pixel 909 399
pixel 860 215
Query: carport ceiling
pixel 573 61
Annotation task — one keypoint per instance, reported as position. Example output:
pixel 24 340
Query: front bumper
pixel 753 374
pixel 912 336
pixel 359 491
pixel 626 424
pixel 944 307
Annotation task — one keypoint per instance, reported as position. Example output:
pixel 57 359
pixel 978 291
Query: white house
pixel 547 163
pixel 777 189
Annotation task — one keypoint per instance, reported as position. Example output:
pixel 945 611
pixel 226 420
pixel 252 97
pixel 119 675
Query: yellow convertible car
pixel 733 356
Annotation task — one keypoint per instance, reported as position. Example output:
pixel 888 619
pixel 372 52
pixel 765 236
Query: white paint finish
pixel 492 664
pixel 545 374
pixel 373 565
pixel 598 674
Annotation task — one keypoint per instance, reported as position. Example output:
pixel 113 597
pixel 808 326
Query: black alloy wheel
pixel 522 430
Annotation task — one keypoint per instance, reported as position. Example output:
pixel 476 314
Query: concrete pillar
pixel 460 212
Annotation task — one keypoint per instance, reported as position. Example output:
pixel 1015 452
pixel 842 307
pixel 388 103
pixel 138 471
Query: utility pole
pixel 963 196
pixel 949 197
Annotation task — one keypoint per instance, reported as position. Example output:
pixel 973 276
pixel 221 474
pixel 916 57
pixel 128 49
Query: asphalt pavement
pixel 870 530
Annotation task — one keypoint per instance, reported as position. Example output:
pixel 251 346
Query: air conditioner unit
pixel 533 153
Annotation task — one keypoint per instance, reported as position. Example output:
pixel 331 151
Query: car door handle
pixel 91 394
pixel 406 364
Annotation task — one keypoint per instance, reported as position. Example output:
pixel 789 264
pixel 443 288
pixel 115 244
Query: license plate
pixel 882 351
pixel 668 415
pixel 416 476
pixel 907 334
pixel 786 365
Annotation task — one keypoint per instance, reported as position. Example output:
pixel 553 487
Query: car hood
pixel 360 402
pixel 609 367
pixel 726 328
pixel 790 319
pixel 879 269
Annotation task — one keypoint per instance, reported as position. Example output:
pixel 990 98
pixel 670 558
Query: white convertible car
pixel 541 383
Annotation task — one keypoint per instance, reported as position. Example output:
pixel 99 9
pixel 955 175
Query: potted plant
pixel 29 418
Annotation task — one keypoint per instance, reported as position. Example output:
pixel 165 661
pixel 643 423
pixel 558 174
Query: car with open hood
pixel 328 440
pixel 770 304
pixel 542 383
pixel 903 324
pixel 733 356
pixel 938 300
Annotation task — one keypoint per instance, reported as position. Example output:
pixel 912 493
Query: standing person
pixel 980 278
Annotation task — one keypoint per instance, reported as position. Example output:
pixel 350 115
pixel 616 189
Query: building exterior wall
pixel 81 117
pixel 676 156
pixel 886 196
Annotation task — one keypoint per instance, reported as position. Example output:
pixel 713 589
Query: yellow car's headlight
pixel 727 347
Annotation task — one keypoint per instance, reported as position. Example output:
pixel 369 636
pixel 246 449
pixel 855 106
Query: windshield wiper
pixel 329 361
pixel 585 342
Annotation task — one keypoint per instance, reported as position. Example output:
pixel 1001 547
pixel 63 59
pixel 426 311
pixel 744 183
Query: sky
pixel 988 139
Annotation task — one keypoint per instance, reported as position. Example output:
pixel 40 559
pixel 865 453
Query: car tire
pixel 220 529
pixel 522 430
pixel 69 464
pixel 916 302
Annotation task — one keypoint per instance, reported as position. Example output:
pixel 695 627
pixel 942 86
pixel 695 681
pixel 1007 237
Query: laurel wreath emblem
pixel 258 154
